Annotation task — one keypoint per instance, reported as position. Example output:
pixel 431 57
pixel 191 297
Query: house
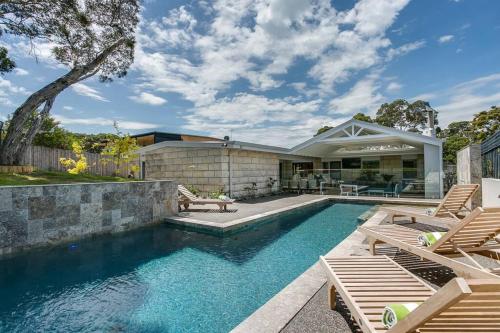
pixel 354 152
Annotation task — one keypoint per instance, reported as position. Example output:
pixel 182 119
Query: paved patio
pixel 243 209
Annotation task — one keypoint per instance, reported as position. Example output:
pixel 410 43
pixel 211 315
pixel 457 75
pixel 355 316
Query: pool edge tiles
pixel 223 228
pixel 240 224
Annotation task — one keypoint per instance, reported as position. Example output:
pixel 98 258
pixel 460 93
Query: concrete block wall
pixel 469 170
pixel 50 214
pixel 249 167
pixel 207 169
pixel 199 167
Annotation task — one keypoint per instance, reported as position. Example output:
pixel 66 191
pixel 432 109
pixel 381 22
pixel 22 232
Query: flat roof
pixel 170 133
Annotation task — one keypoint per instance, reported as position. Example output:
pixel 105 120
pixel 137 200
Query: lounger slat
pixel 472 234
pixel 369 288
pixel 460 306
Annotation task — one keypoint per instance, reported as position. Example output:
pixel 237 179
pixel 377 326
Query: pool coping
pixel 277 312
pixel 241 223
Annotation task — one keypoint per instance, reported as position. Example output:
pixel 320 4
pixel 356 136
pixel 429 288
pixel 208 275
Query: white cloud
pixel 20 71
pixel 445 39
pixel 260 40
pixel 393 87
pixel 99 121
pixel 424 97
pixel 40 50
pixel 463 100
pixel 277 135
pixel 252 110
pixel 9 90
pixel 362 97
pixel 257 42
pixel 147 98
pixel 85 90
pixel 67 107
pixel 404 49
pixel 373 17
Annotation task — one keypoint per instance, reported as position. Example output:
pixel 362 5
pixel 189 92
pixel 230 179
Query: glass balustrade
pixel 386 182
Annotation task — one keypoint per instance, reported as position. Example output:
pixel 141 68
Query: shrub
pixel 77 166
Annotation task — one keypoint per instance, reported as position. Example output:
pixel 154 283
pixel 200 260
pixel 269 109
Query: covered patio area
pixel 360 158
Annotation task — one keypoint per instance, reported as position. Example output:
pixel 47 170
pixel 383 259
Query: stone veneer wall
pixel 207 169
pixel 249 167
pixel 469 170
pixel 51 214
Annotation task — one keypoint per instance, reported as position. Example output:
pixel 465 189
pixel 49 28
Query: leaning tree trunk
pixel 16 140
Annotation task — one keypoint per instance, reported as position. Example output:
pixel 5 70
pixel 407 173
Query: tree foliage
pixel 53 136
pixel 460 134
pixel 404 115
pixel 323 129
pixel 121 150
pixel 78 165
pixel 6 64
pixel 362 117
pixel 486 123
pixel 91 37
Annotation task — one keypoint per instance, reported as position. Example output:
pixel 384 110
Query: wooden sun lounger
pixel 476 233
pixel 187 197
pixel 451 209
pixel 368 283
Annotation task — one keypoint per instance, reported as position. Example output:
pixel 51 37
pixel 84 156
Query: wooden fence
pixel 44 158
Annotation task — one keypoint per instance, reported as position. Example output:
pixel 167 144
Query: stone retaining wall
pixel 51 214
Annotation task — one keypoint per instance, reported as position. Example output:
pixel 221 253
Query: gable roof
pixel 356 132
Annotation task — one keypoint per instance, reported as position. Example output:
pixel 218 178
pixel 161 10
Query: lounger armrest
pixel 454 291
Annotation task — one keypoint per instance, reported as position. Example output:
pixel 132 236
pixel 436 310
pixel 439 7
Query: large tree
pixel 362 117
pixel 6 64
pixel 91 37
pixel 486 123
pixel 460 134
pixel 404 115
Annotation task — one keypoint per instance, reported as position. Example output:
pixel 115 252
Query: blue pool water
pixel 162 279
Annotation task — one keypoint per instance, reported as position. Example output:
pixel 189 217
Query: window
pixel 371 164
pixel 351 163
pixel 335 172
pixel 409 169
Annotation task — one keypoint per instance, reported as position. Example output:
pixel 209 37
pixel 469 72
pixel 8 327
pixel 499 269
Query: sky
pixel 274 71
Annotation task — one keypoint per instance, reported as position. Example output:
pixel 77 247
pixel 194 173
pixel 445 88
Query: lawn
pixel 53 177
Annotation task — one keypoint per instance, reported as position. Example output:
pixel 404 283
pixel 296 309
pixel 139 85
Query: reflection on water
pixel 165 279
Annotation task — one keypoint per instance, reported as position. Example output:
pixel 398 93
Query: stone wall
pixel 51 214
pixel 203 168
pixel 249 167
pixel 207 169
pixel 469 169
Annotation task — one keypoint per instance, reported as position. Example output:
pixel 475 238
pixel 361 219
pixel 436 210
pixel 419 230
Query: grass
pixel 53 177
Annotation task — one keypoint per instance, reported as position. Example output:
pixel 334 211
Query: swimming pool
pixel 162 279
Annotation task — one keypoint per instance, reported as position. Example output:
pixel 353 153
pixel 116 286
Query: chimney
pixel 430 130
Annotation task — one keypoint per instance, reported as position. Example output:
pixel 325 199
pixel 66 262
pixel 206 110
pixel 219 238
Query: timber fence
pixel 44 158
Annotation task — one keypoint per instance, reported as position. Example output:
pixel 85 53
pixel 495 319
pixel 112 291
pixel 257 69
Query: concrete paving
pixel 242 209
pixel 316 316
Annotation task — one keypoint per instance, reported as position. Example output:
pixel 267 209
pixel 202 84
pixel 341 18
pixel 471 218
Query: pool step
pixel 369 213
